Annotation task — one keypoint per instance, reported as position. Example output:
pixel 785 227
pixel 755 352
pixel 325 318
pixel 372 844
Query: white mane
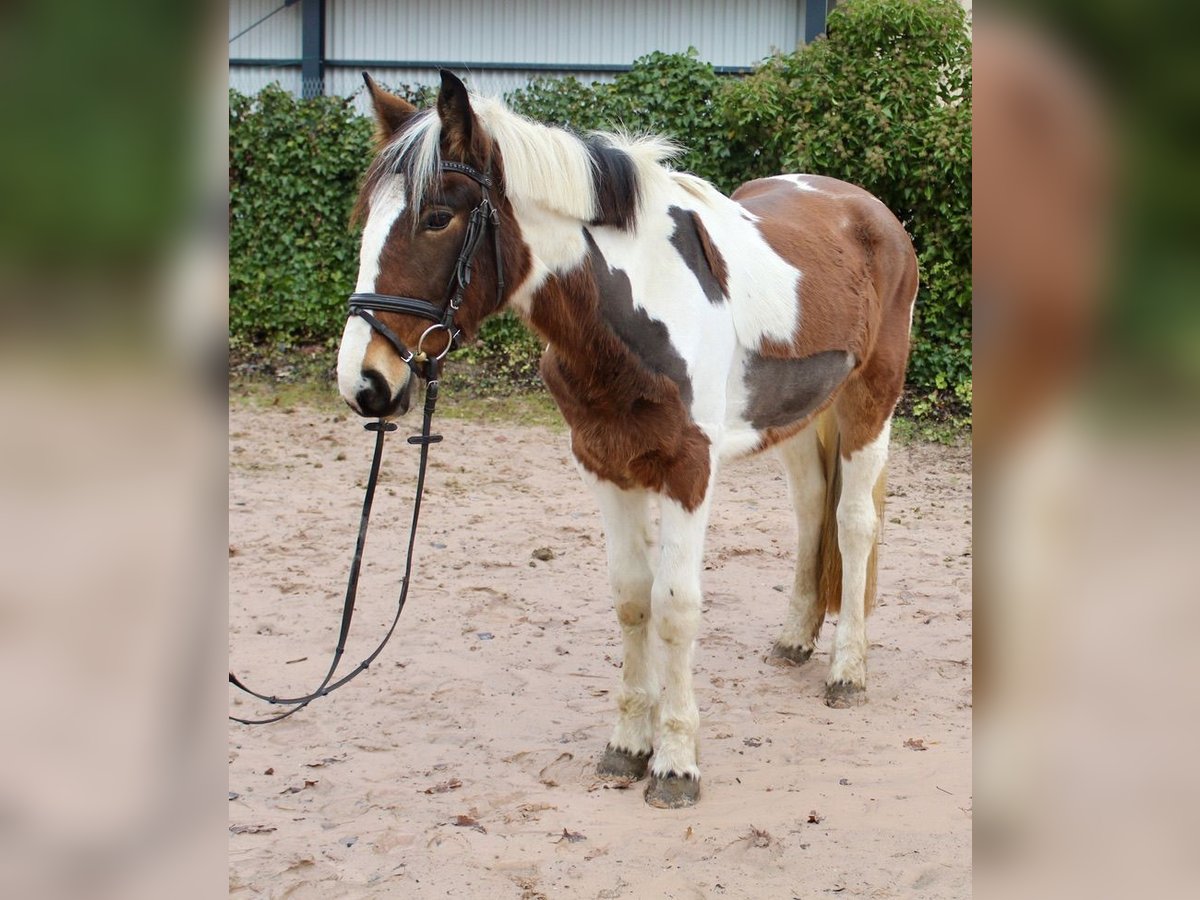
pixel 545 166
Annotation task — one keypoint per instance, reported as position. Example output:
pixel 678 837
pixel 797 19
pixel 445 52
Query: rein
pixel 423 366
pixel 381 428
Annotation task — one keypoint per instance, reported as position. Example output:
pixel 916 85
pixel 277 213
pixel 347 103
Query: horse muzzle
pixel 375 398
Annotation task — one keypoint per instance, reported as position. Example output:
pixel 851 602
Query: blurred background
pixel 112 449
pixel 113 360
pixel 1086 343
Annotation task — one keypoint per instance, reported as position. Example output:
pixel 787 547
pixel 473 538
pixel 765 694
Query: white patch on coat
pixel 802 182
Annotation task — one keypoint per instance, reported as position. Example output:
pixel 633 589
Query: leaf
pixel 251 829
pixel 571 837
pixel 814 817
pixel 915 744
pixel 443 787
pixel 297 788
pixel 468 822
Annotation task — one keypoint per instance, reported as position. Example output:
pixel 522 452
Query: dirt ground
pixel 460 764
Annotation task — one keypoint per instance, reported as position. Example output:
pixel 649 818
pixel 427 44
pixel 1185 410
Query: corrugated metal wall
pixel 469 34
pixel 278 38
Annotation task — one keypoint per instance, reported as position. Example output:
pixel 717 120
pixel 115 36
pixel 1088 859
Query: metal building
pixel 316 47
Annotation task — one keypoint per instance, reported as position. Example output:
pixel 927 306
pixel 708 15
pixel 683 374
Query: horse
pixel 683 329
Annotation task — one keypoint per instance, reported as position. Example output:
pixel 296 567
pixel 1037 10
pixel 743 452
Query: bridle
pixel 423 366
pixel 364 305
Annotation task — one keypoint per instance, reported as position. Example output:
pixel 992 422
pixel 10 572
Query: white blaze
pixel 386 207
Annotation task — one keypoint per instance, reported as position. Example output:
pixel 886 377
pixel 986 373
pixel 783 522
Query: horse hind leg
pixel 801 459
pixel 626 517
pixel 858 514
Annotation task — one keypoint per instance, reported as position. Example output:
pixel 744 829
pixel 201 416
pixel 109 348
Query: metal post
pixel 312 44
pixel 814 19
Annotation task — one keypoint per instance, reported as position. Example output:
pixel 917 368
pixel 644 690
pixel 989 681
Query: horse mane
pixel 600 178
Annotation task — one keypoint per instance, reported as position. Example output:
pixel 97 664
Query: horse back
pixel 856 263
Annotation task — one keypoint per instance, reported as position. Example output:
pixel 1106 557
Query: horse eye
pixel 437 220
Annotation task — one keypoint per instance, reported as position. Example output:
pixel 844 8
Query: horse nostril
pixel 376 398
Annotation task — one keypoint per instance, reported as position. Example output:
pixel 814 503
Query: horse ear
pixel 454 109
pixel 391 112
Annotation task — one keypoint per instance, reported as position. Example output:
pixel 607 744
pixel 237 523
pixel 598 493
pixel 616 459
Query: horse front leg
pixel 675 773
pixel 626 516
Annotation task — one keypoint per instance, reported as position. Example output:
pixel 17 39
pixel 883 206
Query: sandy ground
pixel 461 764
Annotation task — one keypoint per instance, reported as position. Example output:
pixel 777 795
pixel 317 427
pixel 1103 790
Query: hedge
pixel 884 101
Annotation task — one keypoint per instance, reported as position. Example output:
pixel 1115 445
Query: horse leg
pixel 801 458
pixel 626 518
pixel 858 530
pixel 675 599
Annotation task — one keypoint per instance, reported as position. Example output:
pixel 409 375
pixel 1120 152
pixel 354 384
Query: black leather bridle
pixel 364 305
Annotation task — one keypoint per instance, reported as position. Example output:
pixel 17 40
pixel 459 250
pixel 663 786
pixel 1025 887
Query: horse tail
pixel 829 557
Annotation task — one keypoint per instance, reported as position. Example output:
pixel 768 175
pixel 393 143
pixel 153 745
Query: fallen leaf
pixel 687 835
pixel 571 837
pixel 251 829
pixel 443 786
pixel 814 817
pixel 843 781
pixel 915 744
pixel 468 822
pixel 297 788
pixel 270 771
pixel 752 742
pixel 550 780
pixel 318 763
pixel 545 554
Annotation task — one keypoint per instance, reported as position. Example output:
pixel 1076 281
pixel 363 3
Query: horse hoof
pixel 621 765
pixel 843 695
pixel 795 655
pixel 672 791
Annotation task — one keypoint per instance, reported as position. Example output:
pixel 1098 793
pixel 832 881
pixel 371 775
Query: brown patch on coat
pixel 857 284
pixel 716 262
pixel 629 424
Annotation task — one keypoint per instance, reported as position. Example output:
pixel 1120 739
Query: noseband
pixel 364 305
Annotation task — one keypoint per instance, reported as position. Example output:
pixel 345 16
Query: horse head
pixel 438 236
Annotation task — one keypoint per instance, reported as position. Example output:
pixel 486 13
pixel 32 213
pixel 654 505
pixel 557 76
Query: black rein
pixel 423 366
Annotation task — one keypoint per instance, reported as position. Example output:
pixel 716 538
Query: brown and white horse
pixel 683 328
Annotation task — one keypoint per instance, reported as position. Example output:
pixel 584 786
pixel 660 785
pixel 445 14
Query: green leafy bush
pixel 884 102
pixel 294 167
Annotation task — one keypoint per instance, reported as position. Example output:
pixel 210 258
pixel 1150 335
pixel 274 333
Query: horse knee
pixel 631 597
pixel 677 614
pixel 857 521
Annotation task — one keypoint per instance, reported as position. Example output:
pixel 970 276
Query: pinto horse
pixel 683 328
